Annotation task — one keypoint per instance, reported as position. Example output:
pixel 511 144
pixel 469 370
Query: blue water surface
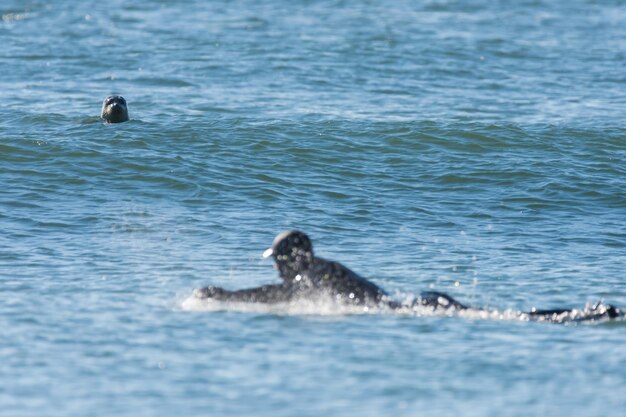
pixel 471 147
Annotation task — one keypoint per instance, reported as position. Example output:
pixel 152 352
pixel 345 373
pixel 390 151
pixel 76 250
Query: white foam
pixel 321 307
pixel 327 306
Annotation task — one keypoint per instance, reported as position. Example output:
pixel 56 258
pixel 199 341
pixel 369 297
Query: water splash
pixel 589 314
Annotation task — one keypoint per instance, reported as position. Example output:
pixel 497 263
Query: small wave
pixel 15 17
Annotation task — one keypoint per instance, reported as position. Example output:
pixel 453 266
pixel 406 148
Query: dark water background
pixel 473 147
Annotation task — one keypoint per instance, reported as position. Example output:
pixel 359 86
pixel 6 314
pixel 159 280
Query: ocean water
pixel 472 147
